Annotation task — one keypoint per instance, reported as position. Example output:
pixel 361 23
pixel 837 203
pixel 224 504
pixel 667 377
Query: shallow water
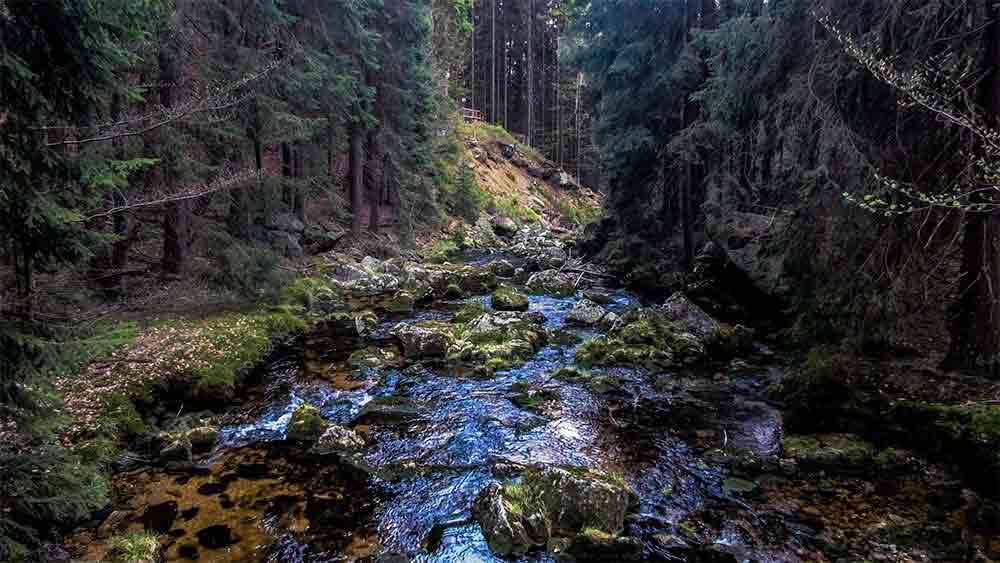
pixel 673 436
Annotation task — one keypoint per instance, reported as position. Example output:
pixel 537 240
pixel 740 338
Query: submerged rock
pixel 551 502
pixel 307 424
pixel 552 282
pixel 509 299
pixel 389 410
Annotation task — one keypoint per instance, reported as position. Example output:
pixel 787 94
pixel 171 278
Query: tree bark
pixel 177 218
pixel 975 327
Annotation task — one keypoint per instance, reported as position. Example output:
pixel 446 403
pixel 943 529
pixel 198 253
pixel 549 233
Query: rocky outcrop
pixel 551 502
pixel 747 239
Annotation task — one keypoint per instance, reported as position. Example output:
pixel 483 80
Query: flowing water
pixel 673 436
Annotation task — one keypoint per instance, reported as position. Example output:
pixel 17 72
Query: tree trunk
pixel 975 328
pixel 356 160
pixel 177 218
pixel 298 194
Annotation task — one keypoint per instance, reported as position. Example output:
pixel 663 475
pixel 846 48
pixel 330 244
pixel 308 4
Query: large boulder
pixel 366 279
pixel 509 299
pixel 424 339
pixel 502 268
pixel 498 340
pixel 588 313
pixel 551 502
pixel 552 282
pixel 476 280
pixel 642 338
pixel 307 424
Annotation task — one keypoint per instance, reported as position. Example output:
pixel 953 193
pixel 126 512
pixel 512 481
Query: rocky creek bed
pixel 583 424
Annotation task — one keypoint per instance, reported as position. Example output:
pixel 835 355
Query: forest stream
pixel 700 449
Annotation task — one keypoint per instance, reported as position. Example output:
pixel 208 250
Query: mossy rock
pixel 552 282
pixel 550 503
pixel 509 299
pixel 469 312
pixel 307 424
pixel 531 397
pixel 497 341
pixel 844 453
pixel 453 291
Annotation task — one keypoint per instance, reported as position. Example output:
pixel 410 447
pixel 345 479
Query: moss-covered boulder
pixel 374 357
pixel 843 453
pixel 453 291
pixel 552 282
pixel 502 268
pixel 498 340
pixel 509 299
pixel 424 339
pixel 551 502
pixel 642 338
pixel 476 280
pixel 307 424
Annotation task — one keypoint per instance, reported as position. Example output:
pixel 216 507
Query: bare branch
pixel 226 181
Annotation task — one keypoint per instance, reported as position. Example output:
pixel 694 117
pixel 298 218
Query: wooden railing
pixel 472 115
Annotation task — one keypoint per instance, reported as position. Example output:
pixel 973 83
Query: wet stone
pixel 159 518
pixel 216 537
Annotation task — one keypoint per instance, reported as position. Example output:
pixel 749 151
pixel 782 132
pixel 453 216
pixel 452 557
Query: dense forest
pixel 393 280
